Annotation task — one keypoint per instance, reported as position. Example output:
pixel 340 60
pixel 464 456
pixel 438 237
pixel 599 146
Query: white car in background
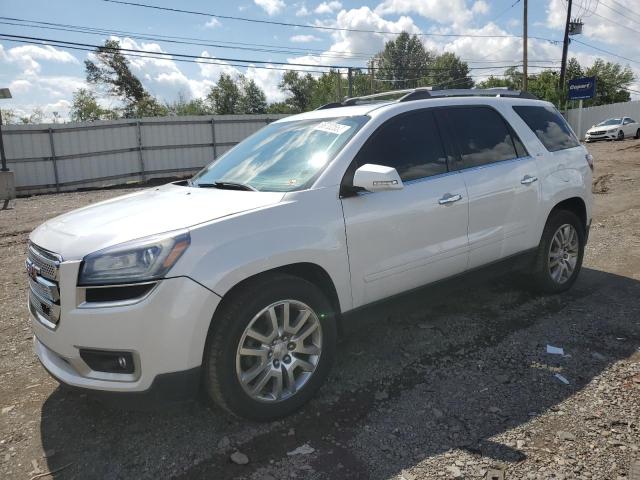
pixel 614 129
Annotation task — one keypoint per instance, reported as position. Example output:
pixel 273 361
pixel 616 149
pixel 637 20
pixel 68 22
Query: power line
pixel 604 51
pixel 302 25
pixel 198 42
pixel 200 58
pixel 155 55
pixel 622 14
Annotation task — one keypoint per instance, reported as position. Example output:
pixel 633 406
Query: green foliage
pixel 111 71
pixel 224 98
pixel 496 82
pixel 611 81
pixel 448 71
pixel 402 59
pixel 182 106
pixel 300 88
pixel 252 99
pixel 85 108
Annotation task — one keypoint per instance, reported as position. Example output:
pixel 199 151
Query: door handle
pixel 448 199
pixel 528 180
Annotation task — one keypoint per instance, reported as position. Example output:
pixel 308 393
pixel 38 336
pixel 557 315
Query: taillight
pixel 589 158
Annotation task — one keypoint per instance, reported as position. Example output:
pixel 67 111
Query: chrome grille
pixel 598 132
pixel 44 294
pixel 47 262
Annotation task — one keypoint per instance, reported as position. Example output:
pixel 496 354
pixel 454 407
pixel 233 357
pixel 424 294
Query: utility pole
pixel 525 79
pixel 372 74
pixel 350 78
pixel 565 47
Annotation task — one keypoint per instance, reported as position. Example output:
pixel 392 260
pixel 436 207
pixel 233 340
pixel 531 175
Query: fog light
pixel 108 361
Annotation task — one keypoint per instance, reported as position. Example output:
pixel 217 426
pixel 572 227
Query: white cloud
pixel 20 86
pixel 268 80
pixel 272 7
pixel 455 12
pixel 213 23
pixel 328 7
pixel 351 42
pixel 304 38
pixel 480 7
pixel 302 11
pixel 27 56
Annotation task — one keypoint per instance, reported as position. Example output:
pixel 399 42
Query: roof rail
pixel 423 93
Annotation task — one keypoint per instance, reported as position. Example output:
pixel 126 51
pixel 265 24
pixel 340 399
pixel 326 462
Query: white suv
pixel 239 279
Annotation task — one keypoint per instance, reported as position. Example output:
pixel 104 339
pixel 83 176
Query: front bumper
pixel 590 137
pixel 165 332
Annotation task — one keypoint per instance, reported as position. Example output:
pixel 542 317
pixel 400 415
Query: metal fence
pixel 594 115
pixel 65 157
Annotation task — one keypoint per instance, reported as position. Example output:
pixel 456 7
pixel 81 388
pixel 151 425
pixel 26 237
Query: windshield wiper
pixel 228 186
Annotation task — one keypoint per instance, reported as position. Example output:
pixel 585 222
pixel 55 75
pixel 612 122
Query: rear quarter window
pixel 549 126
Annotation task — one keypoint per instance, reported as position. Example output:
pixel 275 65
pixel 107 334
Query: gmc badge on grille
pixel 32 270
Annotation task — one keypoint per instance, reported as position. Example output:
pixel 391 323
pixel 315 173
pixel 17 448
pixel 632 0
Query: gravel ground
pixel 442 383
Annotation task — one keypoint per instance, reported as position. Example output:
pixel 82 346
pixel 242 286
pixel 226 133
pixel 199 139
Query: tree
pixel 9 117
pixel 402 59
pixel 36 116
pixel 252 98
pixel 182 106
pixel 544 85
pixel 448 71
pixel 85 108
pixel 496 82
pixel 301 89
pixel 111 70
pixel 612 82
pixel 224 98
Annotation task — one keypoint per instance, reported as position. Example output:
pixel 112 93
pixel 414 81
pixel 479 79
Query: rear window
pixel 482 134
pixel 549 126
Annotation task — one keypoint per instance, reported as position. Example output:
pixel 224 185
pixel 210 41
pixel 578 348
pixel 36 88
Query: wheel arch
pixel 308 271
pixel 575 205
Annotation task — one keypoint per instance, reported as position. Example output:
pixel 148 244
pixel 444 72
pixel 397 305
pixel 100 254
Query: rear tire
pixel 637 133
pixel 289 376
pixel 560 253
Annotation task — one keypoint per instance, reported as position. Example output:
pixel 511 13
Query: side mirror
pixel 377 178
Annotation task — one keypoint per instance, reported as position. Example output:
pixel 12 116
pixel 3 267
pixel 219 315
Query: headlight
pixel 145 259
pixel 612 129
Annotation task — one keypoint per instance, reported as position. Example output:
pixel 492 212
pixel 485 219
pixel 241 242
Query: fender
pixel 233 249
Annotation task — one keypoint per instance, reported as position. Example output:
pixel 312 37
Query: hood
pixel 597 128
pixel 147 212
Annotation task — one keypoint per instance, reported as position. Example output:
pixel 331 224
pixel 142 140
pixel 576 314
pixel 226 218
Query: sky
pixel 46 76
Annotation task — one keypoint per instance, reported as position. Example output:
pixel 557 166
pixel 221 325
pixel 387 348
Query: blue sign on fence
pixel 581 88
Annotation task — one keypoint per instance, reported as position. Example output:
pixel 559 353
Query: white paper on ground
pixel 555 350
pixel 561 378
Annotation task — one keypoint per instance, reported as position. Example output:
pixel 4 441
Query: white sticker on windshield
pixel 332 127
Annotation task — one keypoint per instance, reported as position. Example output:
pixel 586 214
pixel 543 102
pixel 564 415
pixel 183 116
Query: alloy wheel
pixel 563 253
pixel 279 351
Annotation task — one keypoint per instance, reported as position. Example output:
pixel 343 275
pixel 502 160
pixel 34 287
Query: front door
pixel 401 239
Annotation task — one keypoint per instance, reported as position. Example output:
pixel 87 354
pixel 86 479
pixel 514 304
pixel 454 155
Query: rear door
pixel 501 180
pixel 629 127
pixel 401 239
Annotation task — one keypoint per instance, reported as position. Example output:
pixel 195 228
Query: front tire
pixel 560 253
pixel 271 348
pixel 620 136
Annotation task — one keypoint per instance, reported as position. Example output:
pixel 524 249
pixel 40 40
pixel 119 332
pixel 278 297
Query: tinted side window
pixel 410 143
pixel 482 135
pixel 549 126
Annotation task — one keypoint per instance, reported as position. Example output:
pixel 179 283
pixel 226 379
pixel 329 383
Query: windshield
pixel 281 157
pixel 611 121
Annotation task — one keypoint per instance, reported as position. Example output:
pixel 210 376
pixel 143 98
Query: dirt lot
pixel 438 384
